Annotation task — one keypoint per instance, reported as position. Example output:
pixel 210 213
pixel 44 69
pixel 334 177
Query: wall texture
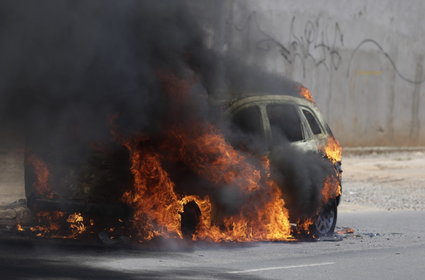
pixel 362 60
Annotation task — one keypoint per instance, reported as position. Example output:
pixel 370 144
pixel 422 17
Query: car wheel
pixel 190 218
pixel 325 221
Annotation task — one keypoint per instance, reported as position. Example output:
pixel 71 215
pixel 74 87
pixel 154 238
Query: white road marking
pixel 280 267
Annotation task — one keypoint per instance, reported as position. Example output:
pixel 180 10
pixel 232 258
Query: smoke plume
pixel 70 68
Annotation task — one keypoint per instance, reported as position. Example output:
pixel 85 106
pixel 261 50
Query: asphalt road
pixel 385 245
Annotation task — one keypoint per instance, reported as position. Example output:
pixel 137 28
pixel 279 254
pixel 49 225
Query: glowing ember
pixel 19 227
pixel 346 230
pixel 305 93
pixel 304 227
pixel 76 224
pixel 57 224
pixel 47 222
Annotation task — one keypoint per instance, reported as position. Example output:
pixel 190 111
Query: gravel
pixel 386 180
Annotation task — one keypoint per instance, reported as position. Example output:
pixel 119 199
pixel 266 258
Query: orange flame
pixel 204 150
pixel 76 224
pixel 41 170
pixel 19 227
pixel 331 185
pixel 156 206
pixel 331 189
pixel 48 222
pixel 304 227
pixel 305 93
pixel 51 224
pixel 333 150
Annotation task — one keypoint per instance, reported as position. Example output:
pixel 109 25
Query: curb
pixel 380 150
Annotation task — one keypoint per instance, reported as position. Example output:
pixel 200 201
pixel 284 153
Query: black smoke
pixel 68 67
pixel 300 175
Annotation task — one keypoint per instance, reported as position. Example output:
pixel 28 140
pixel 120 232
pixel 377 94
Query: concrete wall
pixel 11 166
pixel 362 60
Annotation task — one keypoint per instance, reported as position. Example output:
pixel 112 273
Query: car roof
pixel 236 103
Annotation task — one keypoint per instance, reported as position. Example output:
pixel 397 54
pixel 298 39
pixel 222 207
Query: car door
pixel 316 129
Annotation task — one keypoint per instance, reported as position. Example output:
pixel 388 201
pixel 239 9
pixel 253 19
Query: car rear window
pixel 285 123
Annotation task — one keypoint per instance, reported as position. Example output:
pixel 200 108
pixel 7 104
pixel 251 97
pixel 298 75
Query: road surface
pixel 385 245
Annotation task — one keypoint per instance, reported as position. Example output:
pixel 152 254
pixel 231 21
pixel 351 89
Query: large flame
pixel 156 206
pixel 204 150
pixel 333 150
pixel 332 184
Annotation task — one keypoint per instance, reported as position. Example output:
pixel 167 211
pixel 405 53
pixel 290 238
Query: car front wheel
pixel 325 221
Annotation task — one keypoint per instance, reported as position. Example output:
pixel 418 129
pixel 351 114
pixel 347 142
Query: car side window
pixel 247 129
pixel 312 121
pixel 285 123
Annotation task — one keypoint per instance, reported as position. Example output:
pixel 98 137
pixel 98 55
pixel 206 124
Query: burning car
pixel 268 122
pixel 273 162
pixel 121 138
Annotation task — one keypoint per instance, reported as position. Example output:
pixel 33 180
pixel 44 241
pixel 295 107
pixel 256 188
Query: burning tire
pixel 190 218
pixel 325 221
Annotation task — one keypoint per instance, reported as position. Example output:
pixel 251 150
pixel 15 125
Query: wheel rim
pixel 324 222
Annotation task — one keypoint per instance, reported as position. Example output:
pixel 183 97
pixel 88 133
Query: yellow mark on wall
pixel 368 73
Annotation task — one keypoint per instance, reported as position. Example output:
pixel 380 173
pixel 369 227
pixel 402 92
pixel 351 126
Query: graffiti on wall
pixel 312 42
pixel 316 44
pixel 387 57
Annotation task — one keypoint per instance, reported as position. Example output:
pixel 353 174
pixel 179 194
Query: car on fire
pixel 156 185
pixel 277 119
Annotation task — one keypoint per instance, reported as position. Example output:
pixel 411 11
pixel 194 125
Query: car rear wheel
pixel 325 221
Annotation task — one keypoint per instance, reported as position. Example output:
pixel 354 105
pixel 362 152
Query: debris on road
pixel 346 230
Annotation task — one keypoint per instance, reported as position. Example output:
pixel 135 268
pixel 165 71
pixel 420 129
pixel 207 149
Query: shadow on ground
pixel 22 260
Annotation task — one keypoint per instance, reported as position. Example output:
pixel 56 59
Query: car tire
pixel 190 219
pixel 325 222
